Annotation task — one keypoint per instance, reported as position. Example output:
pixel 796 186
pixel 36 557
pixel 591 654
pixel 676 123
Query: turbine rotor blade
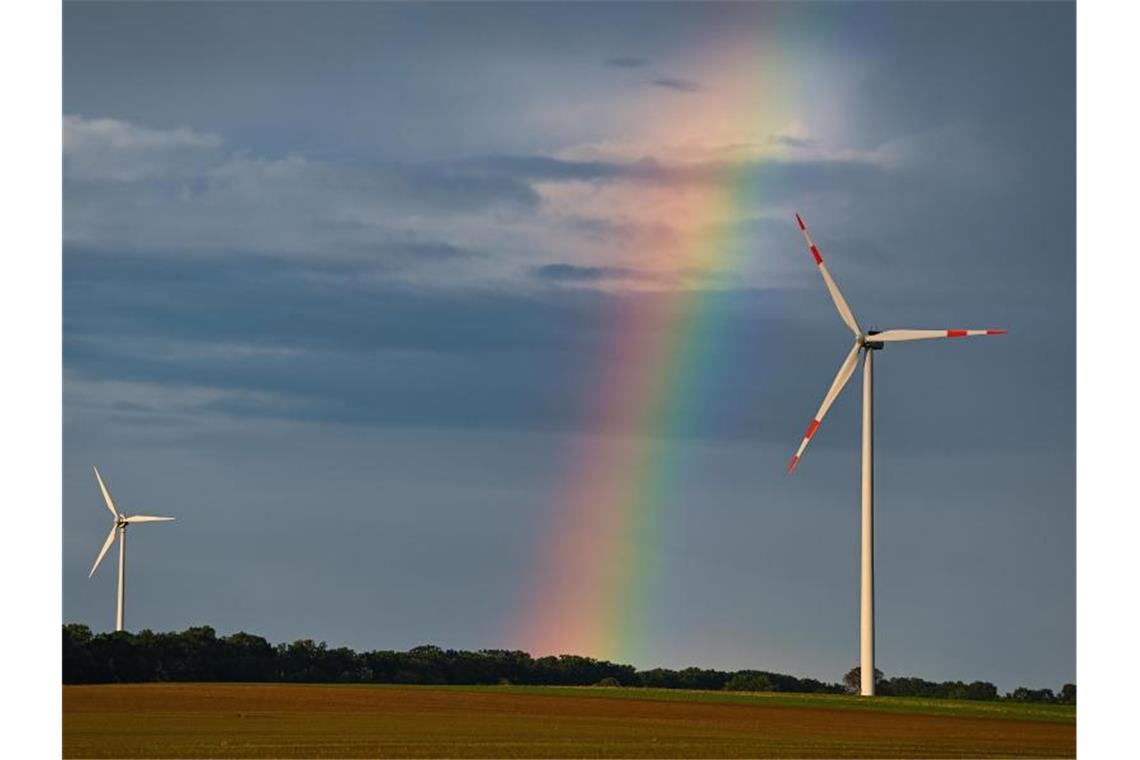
pixel 102 552
pixel 897 335
pixel 106 494
pixel 840 302
pixel 846 370
pixel 145 518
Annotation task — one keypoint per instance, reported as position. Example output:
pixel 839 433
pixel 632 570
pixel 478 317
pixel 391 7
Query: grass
pixel 917 705
pixel 278 720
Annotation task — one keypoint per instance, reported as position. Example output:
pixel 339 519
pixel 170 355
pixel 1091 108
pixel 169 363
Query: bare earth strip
pixel 276 720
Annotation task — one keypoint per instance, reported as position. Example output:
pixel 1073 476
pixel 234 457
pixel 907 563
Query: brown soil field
pixel 288 721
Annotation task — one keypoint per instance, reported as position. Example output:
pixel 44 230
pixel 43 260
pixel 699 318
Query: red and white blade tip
pixel 814 426
pixel 971 333
pixel 811 244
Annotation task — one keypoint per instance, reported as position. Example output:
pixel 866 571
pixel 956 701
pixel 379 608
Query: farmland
pixel 276 720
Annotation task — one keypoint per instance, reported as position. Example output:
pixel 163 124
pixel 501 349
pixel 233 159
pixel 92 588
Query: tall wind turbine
pixel 119 529
pixel 866 344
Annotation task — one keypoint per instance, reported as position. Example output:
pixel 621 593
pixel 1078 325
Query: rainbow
pixel 601 554
pixel 603 546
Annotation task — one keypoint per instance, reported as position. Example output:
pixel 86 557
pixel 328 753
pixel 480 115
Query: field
pixel 275 720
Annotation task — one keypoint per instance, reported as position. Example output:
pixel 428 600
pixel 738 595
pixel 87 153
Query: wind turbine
pixel 865 343
pixel 119 529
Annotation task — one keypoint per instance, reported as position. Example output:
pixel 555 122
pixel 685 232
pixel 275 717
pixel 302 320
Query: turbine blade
pixel 845 371
pixel 106 494
pixel 896 335
pixel 836 296
pixel 145 518
pixel 106 545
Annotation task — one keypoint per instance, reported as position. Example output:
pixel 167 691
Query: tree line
pixel 979 690
pixel 199 654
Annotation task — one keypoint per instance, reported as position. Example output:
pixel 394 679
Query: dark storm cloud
pixel 286 304
pixel 411 253
pixel 677 84
pixel 626 62
pixel 366 353
pixel 440 187
pixel 445 187
pixel 324 343
pixel 573 273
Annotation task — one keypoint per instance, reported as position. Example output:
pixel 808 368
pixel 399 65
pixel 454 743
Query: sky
pixel 490 326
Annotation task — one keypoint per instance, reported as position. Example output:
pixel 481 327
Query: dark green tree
pixel 853 679
pixel 748 681
pixel 78 664
pixel 1023 694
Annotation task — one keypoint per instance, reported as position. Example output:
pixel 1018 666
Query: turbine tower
pixel 865 344
pixel 119 528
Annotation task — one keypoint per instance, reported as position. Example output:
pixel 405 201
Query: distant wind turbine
pixel 120 529
pixel 867 343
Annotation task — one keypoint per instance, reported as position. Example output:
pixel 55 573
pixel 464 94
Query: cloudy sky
pixel 344 284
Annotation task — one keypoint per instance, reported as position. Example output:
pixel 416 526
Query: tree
pixel 246 657
pixel 981 690
pixel 1068 694
pixel 745 681
pixel 78 664
pixel 1023 694
pixel 854 678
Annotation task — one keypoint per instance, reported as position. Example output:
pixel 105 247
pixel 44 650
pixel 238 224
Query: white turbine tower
pixel 867 344
pixel 119 529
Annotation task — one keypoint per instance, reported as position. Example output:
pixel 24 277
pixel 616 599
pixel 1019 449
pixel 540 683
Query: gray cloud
pixel 573 273
pixel 783 176
pixel 197 193
pixel 433 251
pixel 788 141
pixel 677 84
